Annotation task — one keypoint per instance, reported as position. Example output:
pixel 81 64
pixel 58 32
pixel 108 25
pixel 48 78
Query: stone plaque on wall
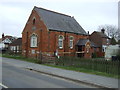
pixel 33 51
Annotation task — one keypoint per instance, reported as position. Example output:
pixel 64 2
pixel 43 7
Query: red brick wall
pixel 96 38
pixel 47 40
pixel 104 41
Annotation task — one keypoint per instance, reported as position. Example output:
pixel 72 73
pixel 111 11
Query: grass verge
pixel 85 71
pixel 19 57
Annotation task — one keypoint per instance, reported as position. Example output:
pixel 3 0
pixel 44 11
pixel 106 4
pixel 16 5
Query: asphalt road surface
pixel 18 77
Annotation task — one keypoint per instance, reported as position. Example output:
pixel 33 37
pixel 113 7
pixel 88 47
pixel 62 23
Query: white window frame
pixel 104 48
pixel 108 41
pixel 17 48
pixel 14 48
pixel 60 41
pixel 11 48
pixel 71 40
pixel 33 41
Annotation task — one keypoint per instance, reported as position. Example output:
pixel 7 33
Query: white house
pixel 5 41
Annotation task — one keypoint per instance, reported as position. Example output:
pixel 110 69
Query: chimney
pixel 3 35
pixel 88 32
pixel 103 30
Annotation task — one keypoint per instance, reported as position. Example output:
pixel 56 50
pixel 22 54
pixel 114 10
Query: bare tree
pixel 111 31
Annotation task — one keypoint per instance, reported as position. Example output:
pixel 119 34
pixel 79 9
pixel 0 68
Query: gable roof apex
pixel 101 34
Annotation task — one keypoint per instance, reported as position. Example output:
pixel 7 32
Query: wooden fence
pixel 101 65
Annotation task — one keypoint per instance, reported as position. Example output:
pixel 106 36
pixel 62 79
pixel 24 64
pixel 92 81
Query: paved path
pixel 76 76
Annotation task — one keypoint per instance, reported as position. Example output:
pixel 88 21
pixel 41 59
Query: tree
pixel 119 41
pixel 111 31
pixel 113 41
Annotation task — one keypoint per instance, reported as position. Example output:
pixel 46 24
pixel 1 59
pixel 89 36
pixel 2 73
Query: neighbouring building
pixel 52 33
pixel 5 41
pixel 16 46
pixel 101 39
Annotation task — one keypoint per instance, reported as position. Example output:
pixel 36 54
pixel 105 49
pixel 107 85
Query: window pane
pixel 60 37
pixel 60 43
pixel 71 43
pixel 33 41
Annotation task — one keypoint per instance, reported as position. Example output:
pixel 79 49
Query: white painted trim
pixel 60 40
pixel 31 45
pixel 72 42
pixel 3 85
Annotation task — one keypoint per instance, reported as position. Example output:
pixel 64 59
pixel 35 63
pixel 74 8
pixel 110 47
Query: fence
pixel 47 57
pixel 101 65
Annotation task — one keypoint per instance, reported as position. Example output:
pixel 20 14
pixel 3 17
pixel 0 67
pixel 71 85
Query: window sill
pixel 60 47
pixel 33 47
pixel 71 47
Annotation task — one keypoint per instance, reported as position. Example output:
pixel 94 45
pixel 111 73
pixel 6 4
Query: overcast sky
pixel 89 13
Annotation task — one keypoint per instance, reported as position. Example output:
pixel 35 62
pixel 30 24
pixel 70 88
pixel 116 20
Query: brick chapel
pixel 52 33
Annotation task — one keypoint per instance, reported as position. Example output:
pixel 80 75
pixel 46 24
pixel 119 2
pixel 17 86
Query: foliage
pixel 94 55
pixel 118 41
pixel 118 55
pixel 113 41
pixel 111 31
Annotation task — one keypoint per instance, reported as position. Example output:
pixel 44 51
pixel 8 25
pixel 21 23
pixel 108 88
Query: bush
pixel 94 55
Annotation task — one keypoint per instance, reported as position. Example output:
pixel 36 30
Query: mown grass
pixel 78 69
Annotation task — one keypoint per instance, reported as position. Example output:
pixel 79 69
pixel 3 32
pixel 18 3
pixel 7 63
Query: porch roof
pixel 82 42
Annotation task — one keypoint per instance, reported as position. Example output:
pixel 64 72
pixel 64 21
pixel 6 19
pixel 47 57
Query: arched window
pixel 60 42
pixel 34 20
pixel 71 42
pixel 33 41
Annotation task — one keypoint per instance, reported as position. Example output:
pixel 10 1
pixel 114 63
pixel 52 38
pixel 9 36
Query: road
pixel 18 77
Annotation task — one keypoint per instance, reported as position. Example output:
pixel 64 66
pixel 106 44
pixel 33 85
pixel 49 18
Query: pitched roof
pixel 6 37
pixel 59 22
pixel 16 42
pixel 101 34
pixel 82 42
pixel 9 37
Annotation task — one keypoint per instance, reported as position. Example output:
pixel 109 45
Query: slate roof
pixel 59 22
pixel 82 42
pixel 16 42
